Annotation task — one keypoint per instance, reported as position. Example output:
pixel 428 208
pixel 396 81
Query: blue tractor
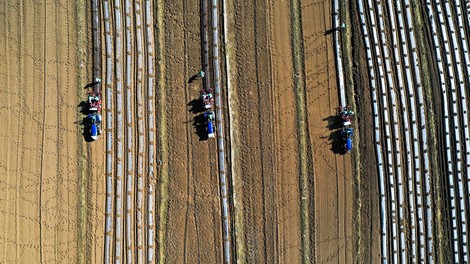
pixel 93 125
pixel 210 127
pixel 347 134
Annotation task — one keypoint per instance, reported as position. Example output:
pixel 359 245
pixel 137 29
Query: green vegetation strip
pixel 161 123
pixel 356 157
pixel 440 245
pixel 299 86
pixel 81 153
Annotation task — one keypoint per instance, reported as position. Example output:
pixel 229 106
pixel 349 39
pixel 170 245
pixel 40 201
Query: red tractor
pixel 207 99
pixel 94 101
pixel 346 115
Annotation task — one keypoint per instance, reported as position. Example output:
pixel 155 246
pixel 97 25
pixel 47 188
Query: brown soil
pixel 267 143
pixel 370 225
pixel 194 220
pixel 43 207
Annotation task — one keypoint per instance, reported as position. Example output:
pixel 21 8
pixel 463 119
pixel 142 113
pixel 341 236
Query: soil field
pixel 46 178
pixel 148 190
pixel 282 136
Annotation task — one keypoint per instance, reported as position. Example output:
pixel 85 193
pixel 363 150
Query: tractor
pixel 93 125
pixel 94 101
pixel 207 99
pixel 210 127
pixel 347 134
pixel 346 115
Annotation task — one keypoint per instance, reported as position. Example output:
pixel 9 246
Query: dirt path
pixel 40 200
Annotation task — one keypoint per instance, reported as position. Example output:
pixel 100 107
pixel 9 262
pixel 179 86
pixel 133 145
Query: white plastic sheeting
pixel 446 64
pixel 377 137
pixel 393 134
pixel 338 55
pixel 151 136
pixel 129 131
pixel 118 58
pixel 140 129
pixel 109 134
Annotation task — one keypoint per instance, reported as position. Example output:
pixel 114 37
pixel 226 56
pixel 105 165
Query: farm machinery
pixel 207 99
pixel 94 101
pixel 346 135
pixel 346 115
pixel 209 120
pixel 93 125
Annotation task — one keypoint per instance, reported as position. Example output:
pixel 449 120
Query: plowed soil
pixel 266 142
pixel 43 211
pixel 194 219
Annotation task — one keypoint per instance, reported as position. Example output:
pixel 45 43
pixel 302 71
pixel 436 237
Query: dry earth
pixel 43 208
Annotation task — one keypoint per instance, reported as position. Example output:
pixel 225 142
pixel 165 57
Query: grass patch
pixel 299 86
pixel 161 124
pixel 356 157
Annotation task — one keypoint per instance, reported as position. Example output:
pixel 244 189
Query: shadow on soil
pixel 337 142
pixel 86 133
pixel 200 126
pixel 196 106
pixel 193 78
pixel 333 122
pixel 84 108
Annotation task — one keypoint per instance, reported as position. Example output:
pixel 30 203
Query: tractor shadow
pixel 84 108
pixel 333 122
pixel 196 106
pixel 86 132
pixel 200 126
pixel 337 142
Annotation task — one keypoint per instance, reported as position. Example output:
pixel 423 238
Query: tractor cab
pixel 93 125
pixel 347 134
pixel 210 128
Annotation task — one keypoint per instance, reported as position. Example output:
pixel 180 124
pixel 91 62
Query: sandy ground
pixel 194 220
pixel 41 210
